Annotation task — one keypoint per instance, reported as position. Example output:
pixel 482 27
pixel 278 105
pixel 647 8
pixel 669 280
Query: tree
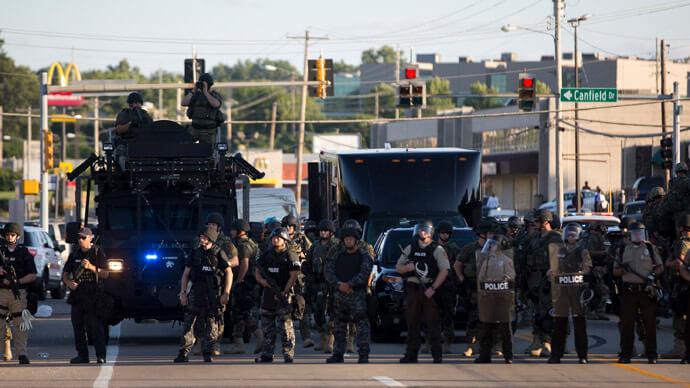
pixel 385 54
pixel 342 67
pixel 542 88
pixel 438 86
pixel 482 102
pixel 386 100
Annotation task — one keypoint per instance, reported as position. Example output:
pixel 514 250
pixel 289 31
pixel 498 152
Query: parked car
pixel 634 209
pixel 644 184
pixel 388 283
pixel 587 201
pixel 56 231
pixel 48 261
pixel 611 222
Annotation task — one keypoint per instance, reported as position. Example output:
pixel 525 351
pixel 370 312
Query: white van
pixel 265 203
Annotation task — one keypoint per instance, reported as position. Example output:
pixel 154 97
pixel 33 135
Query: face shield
pixel 491 247
pixel 427 230
pixel 570 232
pixel 638 235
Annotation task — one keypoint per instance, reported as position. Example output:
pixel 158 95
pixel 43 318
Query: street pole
pixel 667 174
pixel 178 104
pixel 274 114
pixel 228 123
pixel 63 138
pixel 27 174
pixel 160 94
pixel 44 173
pixel 376 105
pixel 558 14
pixel 397 75
pixel 95 125
pixel 302 119
pixel 578 194
pixel 294 129
pixel 677 110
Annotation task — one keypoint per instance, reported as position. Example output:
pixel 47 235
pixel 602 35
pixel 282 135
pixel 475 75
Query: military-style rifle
pixel 273 284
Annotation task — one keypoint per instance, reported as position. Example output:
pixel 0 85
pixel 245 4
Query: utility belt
pixel 635 287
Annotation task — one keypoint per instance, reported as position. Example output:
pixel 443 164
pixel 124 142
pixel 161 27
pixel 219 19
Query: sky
pixel 160 34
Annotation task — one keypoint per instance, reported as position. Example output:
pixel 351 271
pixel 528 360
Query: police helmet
pixel 529 217
pixel 503 241
pixel 637 226
pixel 484 226
pixel 425 226
pixel 638 232
pixel 352 223
pixel 206 77
pixel 544 215
pixel 655 193
pixel 290 220
pixel 310 226
pixel 514 222
pixel 682 167
pixel 135 97
pixel 273 225
pixel 216 218
pixel 627 221
pixel 445 227
pixel 12 227
pixel 328 225
pixel 282 233
pixel 350 232
pixel 241 225
pixel 571 229
pixel 684 221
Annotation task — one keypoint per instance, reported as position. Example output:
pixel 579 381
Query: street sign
pixel 65 99
pixel 589 95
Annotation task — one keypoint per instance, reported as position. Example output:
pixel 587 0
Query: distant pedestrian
pixel 599 201
pixel 586 186
pixel 492 202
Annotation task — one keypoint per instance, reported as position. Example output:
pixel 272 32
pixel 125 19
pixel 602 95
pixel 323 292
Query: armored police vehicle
pixel 150 212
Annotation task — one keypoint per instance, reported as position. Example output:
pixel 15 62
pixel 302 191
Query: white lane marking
pixel 107 369
pixel 388 381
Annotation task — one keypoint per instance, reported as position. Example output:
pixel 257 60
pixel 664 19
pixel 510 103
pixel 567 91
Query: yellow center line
pixel 631 368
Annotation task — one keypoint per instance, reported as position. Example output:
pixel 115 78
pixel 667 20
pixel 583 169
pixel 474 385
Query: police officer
pixel 17 271
pixel 527 232
pixel 276 271
pixel 348 274
pixel 449 291
pixel 638 260
pixel 569 262
pixel 594 243
pixel 216 221
pixel 83 271
pixel 496 297
pixel 204 109
pixel 684 269
pixel 311 230
pixel 270 225
pixel 322 251
pixel 425 265
pixel 211 276
pixel 679 287
pixel 514 224
pixel 465 268
pixel 244 289
pixel 300 244
pixel 652 215
pixel 128 123
pixel 536 265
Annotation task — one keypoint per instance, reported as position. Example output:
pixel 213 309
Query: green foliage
pixel 438 86
pixel 482 102
pixel 386 100
pixel 7 179
pixel 542 88
pixel 340 67
pixel 385 54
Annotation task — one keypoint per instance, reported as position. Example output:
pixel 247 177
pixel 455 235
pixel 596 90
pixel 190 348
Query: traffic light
pixel 189 69
pixel 411 90
pixel 527 95
pixel 321 70
pixel 47 150
pixel 667 153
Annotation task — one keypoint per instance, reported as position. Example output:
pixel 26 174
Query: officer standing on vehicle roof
pixel 276 271
pixel 244 289
pixel 204 109
pixel 638 261
pixel 15 260
pixel 425 264
pixel 128 124
pixel 83 271
pixel 210 290
pixel 569 263
pixel 496 297
pixel 348 274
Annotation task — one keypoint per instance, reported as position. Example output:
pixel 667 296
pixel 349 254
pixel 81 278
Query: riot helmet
pixel 12 227
pixel 206 77
pixel 514 222
pixel 638 232
pixel 426 227
pixel 572 229
pixel 215 218
pixel 135 97
pixel 328 225
pixel 241 225
pixel 352 223
pixel 445 227
pixel 282 233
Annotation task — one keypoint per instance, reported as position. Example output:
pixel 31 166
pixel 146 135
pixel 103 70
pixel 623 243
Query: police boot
pixel 8 350
pixel 447 347
pixel 546 349
pixel 350 344
pixel 181 357
pixel 426 349
pixel 237 346
pixel 207 357
pixel 677 351
pixel 321 344
pixel 497 350
pixel 259 341
pixel 335 359
pixel 472 347
pixel 329 344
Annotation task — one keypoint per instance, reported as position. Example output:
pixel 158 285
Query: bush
pixel 7 179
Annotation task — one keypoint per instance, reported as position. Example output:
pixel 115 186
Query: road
pixel 141 355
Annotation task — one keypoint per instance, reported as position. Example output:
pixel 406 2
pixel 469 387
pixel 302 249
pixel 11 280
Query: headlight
pixel 115 265
pixel 395 282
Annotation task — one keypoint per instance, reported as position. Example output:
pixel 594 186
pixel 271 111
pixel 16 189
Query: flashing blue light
pixel 151 256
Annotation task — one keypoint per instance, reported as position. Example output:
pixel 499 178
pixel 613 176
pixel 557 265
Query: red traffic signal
pixel 410 73
pixel 527 83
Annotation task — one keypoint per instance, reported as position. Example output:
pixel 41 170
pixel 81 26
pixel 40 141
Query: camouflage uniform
pixel 679 294
pixel 204 117
pixel 225 243
pixel 467 256
pixel 595 243
pixel 243 292
pixel 350 306
pixel 448 295
pixel 299 243
pixel 314 270
pixel 139 119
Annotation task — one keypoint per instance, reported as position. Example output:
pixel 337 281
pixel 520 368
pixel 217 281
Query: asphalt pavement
pixel 140 355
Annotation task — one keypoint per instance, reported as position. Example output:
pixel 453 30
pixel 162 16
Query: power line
pixel 614 135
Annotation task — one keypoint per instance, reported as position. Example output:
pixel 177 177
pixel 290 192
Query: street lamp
pixel 575 23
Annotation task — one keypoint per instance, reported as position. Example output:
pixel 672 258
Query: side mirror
pixel 71 231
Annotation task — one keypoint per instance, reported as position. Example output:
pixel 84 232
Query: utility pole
pixel 677 110
pixel 656 64
pixel 667 173
pixel 376 105
pixel 178 104
pixel 27 157
pixel 397 75
pixel 228 123
pixel 302 118
pixel 274 113
pixel 558 15
pixel 44 174
pixel 294 129
pixel 160 94
pixel 95 125
pixel 63 138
